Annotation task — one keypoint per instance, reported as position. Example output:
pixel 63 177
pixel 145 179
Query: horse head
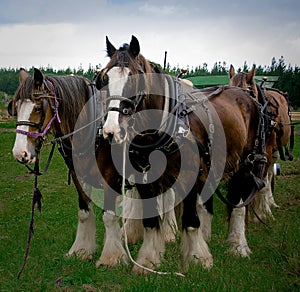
pixel 35 109
pixel 244 80
pixel 126 78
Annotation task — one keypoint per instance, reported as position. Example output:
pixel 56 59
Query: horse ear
pixel 231 71
pixel 23 75
pixel 109 48
pixel 251 74
pixel 134 46
pixel 38 78
pixel 11 109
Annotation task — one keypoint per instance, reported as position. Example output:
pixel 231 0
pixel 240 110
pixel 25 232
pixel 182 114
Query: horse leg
pixel 153 246
pixel 236 236
pixel 275 156
pixel 85 242
pixel 133 213
pixel 264 199
pixel 113 251
pixel 132 208
pixel 194 247
pixel 166 204
pixel 205 213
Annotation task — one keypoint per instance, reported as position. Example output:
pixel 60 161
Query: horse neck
pixel 72 97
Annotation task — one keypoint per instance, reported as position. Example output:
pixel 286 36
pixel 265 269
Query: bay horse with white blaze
pixel 184 139
pixel 279 133
pixel 52 105
pixel 71 109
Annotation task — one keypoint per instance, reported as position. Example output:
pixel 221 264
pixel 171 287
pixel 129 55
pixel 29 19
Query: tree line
pixel 288 81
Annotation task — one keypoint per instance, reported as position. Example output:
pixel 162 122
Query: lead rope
pixel 36 199
pixel 124 229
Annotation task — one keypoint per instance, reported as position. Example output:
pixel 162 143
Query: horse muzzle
pixel 24 156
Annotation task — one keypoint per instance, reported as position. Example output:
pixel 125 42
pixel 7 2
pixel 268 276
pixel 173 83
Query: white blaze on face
pixel 117 81
pixel 24 150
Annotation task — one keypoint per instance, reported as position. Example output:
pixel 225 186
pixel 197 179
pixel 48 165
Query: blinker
pixel 11 109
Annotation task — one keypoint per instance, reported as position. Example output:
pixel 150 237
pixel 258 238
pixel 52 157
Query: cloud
pixel 157 11
pixel 70 33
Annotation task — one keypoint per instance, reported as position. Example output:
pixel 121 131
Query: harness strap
pixel 36 170
pixel 36 199
pixel 120 98
pixel 28 123
pixel 38 126
pixel 244 204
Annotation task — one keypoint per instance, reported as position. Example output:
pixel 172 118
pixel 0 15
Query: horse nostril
pixel 24 160
pixel 24 157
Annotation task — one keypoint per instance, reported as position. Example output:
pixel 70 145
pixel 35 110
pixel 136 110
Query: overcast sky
pixel 70 33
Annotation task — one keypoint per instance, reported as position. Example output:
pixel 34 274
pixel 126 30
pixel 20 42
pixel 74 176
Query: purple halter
pixel 55 116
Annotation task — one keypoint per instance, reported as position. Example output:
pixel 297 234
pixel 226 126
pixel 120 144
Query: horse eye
pixel 104 81
pixel 37 108
pixel 101 81
pixel 12 109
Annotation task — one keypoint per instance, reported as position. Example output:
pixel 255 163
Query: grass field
pixel 274 264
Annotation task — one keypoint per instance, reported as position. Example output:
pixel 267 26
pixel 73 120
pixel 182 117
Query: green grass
pixel 274 264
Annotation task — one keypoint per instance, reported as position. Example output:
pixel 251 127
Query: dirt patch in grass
pixel 23 177
pixel 294 203
pixel 4 116
pixel 7 130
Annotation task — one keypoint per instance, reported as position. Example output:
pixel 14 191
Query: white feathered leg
pixel 151 251
pixel 205 220
pixel 195 249
pixel 133 212
pixel 113 251
pixel 169 223
pixel 264 199
pixel 85 242
pixel 237 238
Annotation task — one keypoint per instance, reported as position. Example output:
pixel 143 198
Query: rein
pixel 36 199
pixel 124 229
pixel 37 196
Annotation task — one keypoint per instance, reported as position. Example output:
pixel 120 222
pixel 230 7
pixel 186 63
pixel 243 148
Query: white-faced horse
pixel 70 108
pixel 52 105
pixel 173 138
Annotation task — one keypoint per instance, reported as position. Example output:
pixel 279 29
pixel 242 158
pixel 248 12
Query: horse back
pixel 236 114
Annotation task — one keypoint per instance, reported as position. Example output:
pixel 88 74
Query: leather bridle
pixel 45 96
